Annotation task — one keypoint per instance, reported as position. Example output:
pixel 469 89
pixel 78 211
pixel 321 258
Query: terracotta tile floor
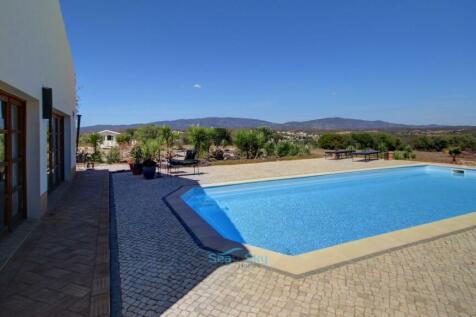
pixel 62 269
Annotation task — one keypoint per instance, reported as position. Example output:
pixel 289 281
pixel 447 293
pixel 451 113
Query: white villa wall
pixel 107 144
pixel 34 53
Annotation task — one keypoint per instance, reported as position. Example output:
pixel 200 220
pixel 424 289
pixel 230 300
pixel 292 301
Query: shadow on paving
pixel 55 271
pixel 156 260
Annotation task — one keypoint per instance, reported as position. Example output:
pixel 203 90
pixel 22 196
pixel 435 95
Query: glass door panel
pixel 2 147
pixel 3 196
pixel 12 160
pixel 15 118
pixel 15 146
pixel 3 166
pixel 55 151
pixel 3 112
pixel 16 205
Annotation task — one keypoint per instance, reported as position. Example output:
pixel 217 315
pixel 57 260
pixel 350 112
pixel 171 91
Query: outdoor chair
pixel 188 160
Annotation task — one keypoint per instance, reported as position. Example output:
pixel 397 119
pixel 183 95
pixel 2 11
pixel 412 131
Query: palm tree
pixel 221 137
pixel 200 138
pixel 95 140
pixel 168 136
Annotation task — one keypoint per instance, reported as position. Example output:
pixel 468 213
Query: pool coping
pixel 277 178
pixel 318 260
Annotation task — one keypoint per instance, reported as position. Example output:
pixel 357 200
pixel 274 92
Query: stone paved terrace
pixel 243 172
pixel 163 271
pixel 62 269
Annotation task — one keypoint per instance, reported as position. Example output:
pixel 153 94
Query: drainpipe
pixel 78 127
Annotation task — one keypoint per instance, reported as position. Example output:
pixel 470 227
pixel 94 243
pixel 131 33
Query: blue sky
pixel 403 61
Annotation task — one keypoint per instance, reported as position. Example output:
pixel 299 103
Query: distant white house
pixel 109 139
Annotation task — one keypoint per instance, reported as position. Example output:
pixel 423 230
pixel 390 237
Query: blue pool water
pixel 299 215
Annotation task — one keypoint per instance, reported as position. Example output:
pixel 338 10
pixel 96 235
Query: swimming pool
pixel 300 215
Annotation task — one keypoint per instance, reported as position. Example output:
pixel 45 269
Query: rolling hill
pixel 325 124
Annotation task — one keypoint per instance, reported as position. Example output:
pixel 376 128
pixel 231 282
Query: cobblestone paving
pixel 163 271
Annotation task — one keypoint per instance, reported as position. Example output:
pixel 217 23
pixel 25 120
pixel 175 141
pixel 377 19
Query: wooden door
pixel 55 151
pixel 12 160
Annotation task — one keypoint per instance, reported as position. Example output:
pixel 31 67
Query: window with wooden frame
pixel 12 161
pixel 55 151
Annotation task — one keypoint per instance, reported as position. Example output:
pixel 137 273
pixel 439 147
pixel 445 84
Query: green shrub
pixel 148 132
pixel 454 152
pixel 463 142
pixel 114 156
pixel 221 136
pixel 406 154
pixel 270 149
pixel 305 150
pixel 150 148
pixel 389 141
pixel 283 148
pixel 94 139
pixel 423 143
pixel 250 142
pixel 137 154
pixel 363 140
pixel 200 138
pixel 382 147
pixel 440 142
pixel 268 134
pixel 398 155
pixel 96 157
pixel 288 148
pixel 294 149
pixel 168 136
pixel 333 141
pixel 123 138
pixel 398 142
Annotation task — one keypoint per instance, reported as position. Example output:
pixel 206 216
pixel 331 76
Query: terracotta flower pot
pixel 136 169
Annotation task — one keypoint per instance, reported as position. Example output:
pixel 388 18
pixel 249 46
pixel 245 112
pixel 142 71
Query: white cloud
pixel 198 86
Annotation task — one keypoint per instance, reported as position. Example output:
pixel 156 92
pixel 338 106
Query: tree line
pixel 266 143
pixel 208 142
pixel 397 142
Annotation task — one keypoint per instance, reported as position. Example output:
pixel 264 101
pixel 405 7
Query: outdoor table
pixel 338 154
pixel 367 155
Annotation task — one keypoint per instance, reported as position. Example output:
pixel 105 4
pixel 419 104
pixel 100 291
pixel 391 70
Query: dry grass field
pixel 466 158
pixel 262 160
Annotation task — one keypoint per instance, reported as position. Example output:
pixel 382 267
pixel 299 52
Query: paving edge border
pixel 116 290
pixel 100 304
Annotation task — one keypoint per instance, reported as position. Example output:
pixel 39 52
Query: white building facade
pixel 108 139
pixel 37 150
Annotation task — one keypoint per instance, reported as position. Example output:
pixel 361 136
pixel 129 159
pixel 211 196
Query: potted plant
pixel 150 148
pixel 137 155
pixel 130 162
pixel 148 168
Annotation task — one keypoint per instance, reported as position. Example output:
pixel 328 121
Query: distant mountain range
pixel 325 124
